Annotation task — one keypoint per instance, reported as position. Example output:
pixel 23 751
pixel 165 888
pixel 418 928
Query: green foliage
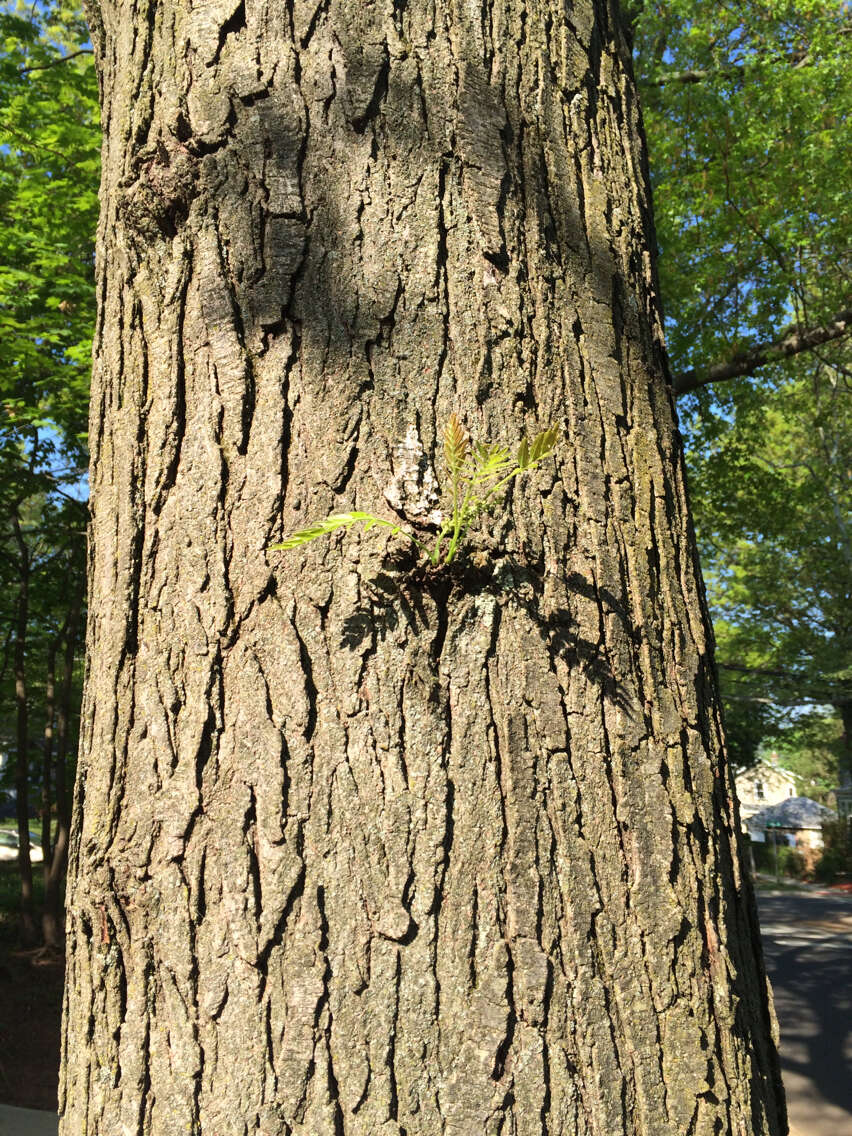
pixel 810 745
pixel 835 863
pixel 747 723
pixel 478 475
pixel 791 863
pixel 49 162
pixel 332 524
pixel 746 109
pixel 772 502
pixel 53 531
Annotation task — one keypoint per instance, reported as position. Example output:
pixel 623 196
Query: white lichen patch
pixel 413 490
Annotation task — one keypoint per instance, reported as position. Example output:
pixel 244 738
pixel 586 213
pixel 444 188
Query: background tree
pixel 810 745
pixel 746 111
pixel 49 165
pixel 361 847
pixel 774 516
pixel 48 205
pixel 42 570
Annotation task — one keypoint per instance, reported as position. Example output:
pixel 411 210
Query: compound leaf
pixel 456 446
pixel 490 460
pixel 330 525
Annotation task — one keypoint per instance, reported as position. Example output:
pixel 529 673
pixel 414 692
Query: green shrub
pixel 835 863
pixel 791 862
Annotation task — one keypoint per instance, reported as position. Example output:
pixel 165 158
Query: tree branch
pixel 804 689
pixel 797 676
pixel 57 61
pixel 19 134
pixel 694 76
pixel 796 59
pixel 791 342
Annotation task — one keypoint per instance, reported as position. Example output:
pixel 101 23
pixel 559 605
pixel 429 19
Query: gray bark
pixel 358 848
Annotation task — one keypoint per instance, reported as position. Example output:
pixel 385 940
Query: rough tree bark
pixel 359 849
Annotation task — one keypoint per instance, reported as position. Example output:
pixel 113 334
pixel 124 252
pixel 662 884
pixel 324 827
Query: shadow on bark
pixel 293 259
pixel 396 598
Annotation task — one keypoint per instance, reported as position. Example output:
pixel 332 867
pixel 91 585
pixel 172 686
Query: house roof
pixel 764 764
pixel 794 812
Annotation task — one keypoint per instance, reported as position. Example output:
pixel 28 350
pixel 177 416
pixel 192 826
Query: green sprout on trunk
pixel 479 475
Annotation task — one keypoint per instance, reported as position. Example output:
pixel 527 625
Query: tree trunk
pixel 844 709
pixel 22 738
pixel 360 848
pixel 47 752
pixel 54 873
pixel 843 706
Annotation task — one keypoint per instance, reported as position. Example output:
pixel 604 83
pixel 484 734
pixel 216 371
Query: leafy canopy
pixel 747 110
pixel 773 508
pixel 49 163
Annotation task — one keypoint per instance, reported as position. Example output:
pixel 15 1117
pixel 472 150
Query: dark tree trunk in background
pixel 844 709
pixel 54 869
pixel 47 752
pixel 358 850
pixel 22 739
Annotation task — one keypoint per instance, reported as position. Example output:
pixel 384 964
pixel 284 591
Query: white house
pixel 763 784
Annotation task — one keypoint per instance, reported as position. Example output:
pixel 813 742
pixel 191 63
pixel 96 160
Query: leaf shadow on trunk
pixel 397 599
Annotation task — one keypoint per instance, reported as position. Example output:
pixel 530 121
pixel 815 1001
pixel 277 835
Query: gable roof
pixel 794 812
pixel 762 763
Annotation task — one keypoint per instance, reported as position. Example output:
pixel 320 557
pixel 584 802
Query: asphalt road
pixel 807 939
pixel 26 1122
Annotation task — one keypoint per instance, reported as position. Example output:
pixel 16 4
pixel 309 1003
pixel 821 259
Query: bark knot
pixel 155 198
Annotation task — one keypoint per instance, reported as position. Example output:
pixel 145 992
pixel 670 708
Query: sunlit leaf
pixel 329 525
pixel 490 460
pixel 543 443
pixel 456 446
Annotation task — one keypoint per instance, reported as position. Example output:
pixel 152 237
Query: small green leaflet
pixel 455 446
pixel 542 444
pixel 490 460
pixel 330 525
pixel 479 476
